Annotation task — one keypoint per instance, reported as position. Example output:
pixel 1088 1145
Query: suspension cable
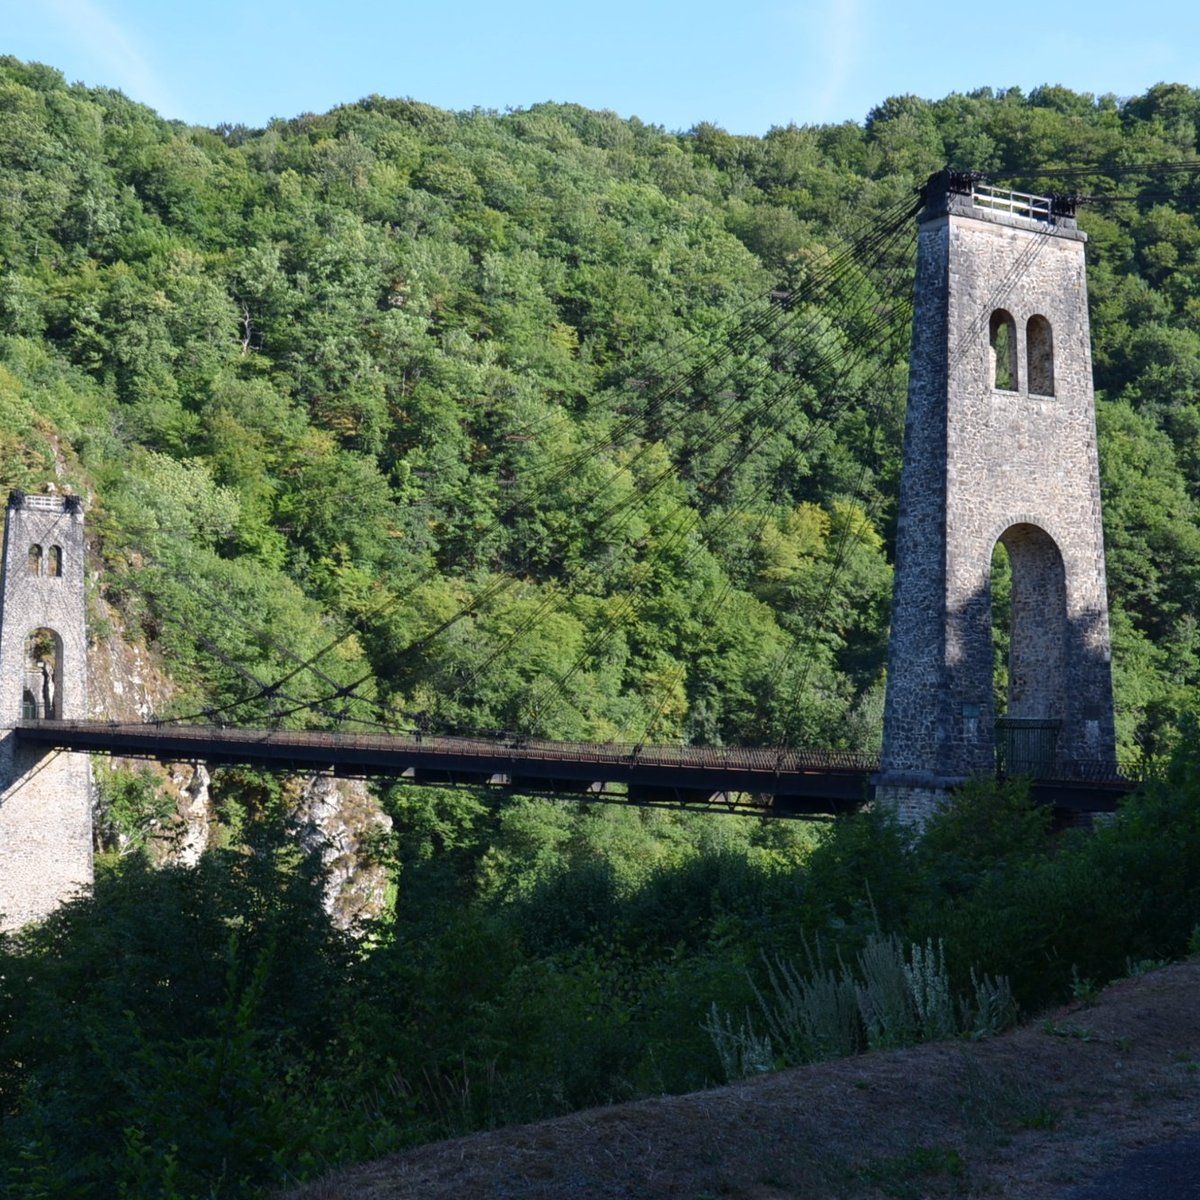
pixel 899 216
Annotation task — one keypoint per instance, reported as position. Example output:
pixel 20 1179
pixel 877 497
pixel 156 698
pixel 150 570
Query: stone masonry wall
pixel 916 649
pixel 45 800
pixel 983 465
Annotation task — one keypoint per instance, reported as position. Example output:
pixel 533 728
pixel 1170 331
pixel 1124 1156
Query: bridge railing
pixel 514 747
pixel 790 782
pixel 1130 770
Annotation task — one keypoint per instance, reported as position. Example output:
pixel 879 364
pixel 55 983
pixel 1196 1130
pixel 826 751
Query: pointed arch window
pixel 1002 335
pixel 54 562
pixel 1039 353
pixel 35 559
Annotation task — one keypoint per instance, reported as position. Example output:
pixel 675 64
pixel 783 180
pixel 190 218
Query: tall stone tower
pixel 45 799
pixel 999 446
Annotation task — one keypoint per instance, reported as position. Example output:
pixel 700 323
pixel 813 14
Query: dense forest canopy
pixel 499 413
pixel 321 379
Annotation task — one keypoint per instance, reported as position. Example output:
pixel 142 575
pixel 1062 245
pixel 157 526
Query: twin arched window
pixel 50 563
pixel 1003 335
pixel 1039 354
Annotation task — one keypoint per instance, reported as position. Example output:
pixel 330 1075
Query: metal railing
pixel 1019 204
pixel 512 746
pixel 1031 755
pixel 1102 770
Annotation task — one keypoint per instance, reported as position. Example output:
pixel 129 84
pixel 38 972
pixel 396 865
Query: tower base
pixel 914 798
pixel 45 832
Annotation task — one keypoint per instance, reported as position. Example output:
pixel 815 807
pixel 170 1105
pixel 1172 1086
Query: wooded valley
pixel 491 409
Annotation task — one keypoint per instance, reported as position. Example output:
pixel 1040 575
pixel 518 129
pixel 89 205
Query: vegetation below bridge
pixel 318 382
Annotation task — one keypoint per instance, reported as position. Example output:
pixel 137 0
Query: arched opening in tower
pixel 1039 348
pixel 1002 335
pixel 41 696
pixel 1029 637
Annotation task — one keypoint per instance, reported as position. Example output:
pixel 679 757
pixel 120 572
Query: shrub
pixel 890 998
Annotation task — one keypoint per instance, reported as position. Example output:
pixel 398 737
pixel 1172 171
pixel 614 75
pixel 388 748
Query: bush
pixel 889 998
pixel 1127 891
pixel 168 1030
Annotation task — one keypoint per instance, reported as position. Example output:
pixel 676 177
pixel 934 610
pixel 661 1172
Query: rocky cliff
pixel 177 818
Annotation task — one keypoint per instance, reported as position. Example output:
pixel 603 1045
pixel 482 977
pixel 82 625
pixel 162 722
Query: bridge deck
pixel 762 778
pixel 783 783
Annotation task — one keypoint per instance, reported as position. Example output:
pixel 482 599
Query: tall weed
pixel 885 998
pixel 892 997
pixel 809 1016
pixel 742 1051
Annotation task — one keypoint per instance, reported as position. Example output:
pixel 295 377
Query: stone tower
pixel 45 799
pixel 999 446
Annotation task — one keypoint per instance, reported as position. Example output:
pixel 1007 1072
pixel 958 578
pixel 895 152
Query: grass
pixel 905 1176
pixel 1008 1117
pixel 1079 1032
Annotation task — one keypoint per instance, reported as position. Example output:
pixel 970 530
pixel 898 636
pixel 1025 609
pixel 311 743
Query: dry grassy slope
pixel 1025 1115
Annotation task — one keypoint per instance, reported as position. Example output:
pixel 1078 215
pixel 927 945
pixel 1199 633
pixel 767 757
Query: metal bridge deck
pixel 753 780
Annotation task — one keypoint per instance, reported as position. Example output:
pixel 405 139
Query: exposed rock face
pixel 194 810
pixel 125 681
pixel 338 819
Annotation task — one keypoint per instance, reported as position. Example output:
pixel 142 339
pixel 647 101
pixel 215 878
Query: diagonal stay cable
pixel 631 600
pixel 749 447
pixel 955 357
pixel 779 299
pixel 503 583
pixel 812 291
pixel 200 586
pixel 493 589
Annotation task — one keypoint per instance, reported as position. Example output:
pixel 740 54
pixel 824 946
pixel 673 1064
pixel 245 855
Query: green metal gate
pixel 1026 746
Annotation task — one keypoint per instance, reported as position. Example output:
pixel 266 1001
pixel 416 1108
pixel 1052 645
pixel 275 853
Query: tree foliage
pixel 353 351
pixel 449 398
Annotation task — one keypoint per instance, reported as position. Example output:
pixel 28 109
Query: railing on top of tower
pixel 51 502
pixel 1052 208
pixel 977 187
pixel 944 184
pixel 1019 204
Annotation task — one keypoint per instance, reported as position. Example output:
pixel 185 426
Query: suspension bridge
pixel 999 448
pixel 749 781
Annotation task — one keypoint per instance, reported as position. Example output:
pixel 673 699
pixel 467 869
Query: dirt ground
pixel 1029 1115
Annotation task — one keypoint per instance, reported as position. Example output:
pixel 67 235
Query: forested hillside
pixel 494 412
pixel 329 372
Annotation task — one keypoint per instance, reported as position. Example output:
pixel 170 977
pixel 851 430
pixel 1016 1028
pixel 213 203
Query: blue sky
pixel 744 65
